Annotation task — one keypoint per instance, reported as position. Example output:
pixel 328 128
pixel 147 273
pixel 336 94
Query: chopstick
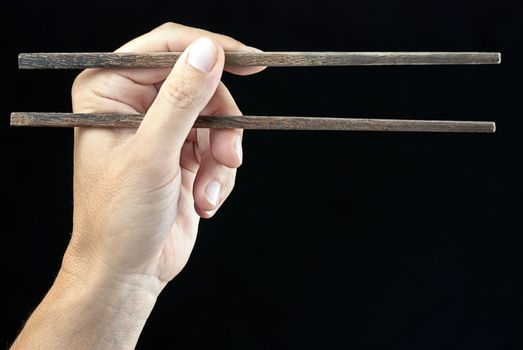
pixel 81 60
pixel 255 122
pixel 76 60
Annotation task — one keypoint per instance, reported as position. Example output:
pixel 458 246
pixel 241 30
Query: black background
pixel 331 239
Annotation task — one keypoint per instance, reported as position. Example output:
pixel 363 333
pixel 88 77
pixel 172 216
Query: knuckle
pixel 78 83
pixel 168 26
pixel 179 95
pixel 80 90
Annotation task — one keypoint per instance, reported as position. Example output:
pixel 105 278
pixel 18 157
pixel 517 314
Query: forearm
pixel 91 313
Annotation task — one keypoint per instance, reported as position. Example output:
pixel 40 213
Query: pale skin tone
pixel 139 194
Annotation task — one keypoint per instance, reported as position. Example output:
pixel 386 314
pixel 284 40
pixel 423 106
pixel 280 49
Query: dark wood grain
pixel 77 60
pixel 254 122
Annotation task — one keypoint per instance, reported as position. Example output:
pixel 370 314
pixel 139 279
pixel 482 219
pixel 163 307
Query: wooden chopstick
pixel 254 122
pixel 288 59
pixel 77 60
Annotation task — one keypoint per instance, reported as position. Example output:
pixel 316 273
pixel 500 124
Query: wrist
pixel 107 311
pixel 94 277
pixel 101 268
pixel 96 288
pixel 112 307
pixel 87 309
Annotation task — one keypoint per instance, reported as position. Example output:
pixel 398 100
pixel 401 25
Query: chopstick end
pixel 24 60
pixel 15 119
pixel 18 119
pixel 20 64
pixel 498 61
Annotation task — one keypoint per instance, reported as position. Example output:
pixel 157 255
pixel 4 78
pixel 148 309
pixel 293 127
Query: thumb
pixel 183 95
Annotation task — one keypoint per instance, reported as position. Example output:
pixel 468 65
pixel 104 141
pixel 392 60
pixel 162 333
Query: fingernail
pixel 238 148
pixel 202 55
pixel 212 191
pixel 252 49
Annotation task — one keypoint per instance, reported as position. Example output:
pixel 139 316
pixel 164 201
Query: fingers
pixel 186 34
pixel 176 37
pixel 220 154
pixel 137 88
pixel 214 181
pixel 107 85
pixel 225 144
pixel 188 158
pixel 185 92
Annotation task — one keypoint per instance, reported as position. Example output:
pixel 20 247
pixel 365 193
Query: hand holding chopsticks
pixel 138 196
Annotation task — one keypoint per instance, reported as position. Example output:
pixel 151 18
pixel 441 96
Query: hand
pixel 139 194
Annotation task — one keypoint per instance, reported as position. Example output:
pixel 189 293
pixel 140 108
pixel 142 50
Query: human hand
pixel 139 194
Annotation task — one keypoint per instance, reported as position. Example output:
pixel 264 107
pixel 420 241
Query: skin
pixel 139 194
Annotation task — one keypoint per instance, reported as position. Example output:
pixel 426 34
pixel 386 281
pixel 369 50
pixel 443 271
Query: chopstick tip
pixel 17 119
pixel 498 57
pixel 20 57
pixel 13 119
pixel 24 60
